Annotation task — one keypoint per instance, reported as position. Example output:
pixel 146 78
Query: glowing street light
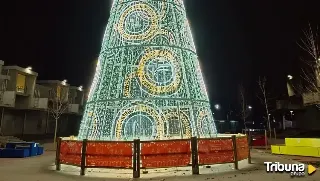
pixel 250 107
pixel 29 69
pixel 64 82
pixel 80 88
pixel 290 77
pixel 217 106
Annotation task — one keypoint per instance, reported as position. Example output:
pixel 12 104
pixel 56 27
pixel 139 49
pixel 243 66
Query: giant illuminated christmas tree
pixel 148 82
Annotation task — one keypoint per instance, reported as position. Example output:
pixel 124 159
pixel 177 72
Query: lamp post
pixel 291 113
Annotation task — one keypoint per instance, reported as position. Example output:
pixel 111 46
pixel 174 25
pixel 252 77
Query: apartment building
pixel 26 103
pixel 301 110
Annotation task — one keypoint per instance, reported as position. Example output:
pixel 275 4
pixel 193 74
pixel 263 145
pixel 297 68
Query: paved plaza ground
pixel 42 169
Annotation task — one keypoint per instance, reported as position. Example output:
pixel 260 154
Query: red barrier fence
pixel 70 152
pixel 169 153
pixel 215 151
pixel 109 154
pixel 242 148
pixel 153 154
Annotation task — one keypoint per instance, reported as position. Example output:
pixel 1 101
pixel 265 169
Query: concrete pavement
pixel 42 169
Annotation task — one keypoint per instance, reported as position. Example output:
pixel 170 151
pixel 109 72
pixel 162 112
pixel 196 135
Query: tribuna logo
pixel 293 169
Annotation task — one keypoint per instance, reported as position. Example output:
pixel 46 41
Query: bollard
pixel 235 153
pixel 194 156
pixel 136 158
pixel 266 139
pixel 249 148
pixel 83 157
pixel 58 164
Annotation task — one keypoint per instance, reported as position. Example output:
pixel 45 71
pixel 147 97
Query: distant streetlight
pixel 217 106
pixel 291 112
pixel 80 88
pixel 29 69
pixel 64 82
pixel 290 77
pixel 250 107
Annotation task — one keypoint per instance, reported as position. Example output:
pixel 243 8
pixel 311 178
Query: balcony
pixel 73 108
pixel 286 104
pixel 7 98
pixel 311 98
pixel 39 103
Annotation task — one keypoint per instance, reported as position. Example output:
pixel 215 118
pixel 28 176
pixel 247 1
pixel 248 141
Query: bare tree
pixel 58 105
pixel 310 44
pixel 310 83
pixel 244 107
pixel 265 101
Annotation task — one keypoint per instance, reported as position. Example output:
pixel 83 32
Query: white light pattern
pixel 148 83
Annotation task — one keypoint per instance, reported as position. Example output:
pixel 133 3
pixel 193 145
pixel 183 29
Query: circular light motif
pixel 138 22
pixel 139 110
pixel 153 69
pixel 139 125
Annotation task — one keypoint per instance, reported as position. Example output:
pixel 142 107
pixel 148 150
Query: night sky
pixel 237 41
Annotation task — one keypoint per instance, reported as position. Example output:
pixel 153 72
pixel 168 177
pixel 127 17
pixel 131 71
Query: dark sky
pixel 236 40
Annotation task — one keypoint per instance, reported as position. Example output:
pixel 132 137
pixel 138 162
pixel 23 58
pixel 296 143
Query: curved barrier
pixel 70 152
pixel 169 153
pixel 152 154
pixel 109 154
pixel 215 151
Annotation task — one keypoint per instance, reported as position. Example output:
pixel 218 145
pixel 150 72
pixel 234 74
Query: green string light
pixel 148 83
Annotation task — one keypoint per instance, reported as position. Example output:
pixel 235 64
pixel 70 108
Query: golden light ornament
pixel 139 108
pixel 151 86
pixel 152 28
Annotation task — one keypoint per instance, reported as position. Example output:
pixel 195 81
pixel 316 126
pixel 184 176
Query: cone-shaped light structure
pixel 148 82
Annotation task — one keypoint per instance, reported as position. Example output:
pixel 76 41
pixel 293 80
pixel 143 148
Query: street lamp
pixel 290 77
pixel 291 112
pixel 80 88
pixel 217 106
pixel 64 82
pixel 29 69
pixel 250 107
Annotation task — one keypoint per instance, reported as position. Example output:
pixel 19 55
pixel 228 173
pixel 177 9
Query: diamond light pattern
pixel 148 83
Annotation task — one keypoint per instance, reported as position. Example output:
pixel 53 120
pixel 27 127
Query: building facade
pixel 27 104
